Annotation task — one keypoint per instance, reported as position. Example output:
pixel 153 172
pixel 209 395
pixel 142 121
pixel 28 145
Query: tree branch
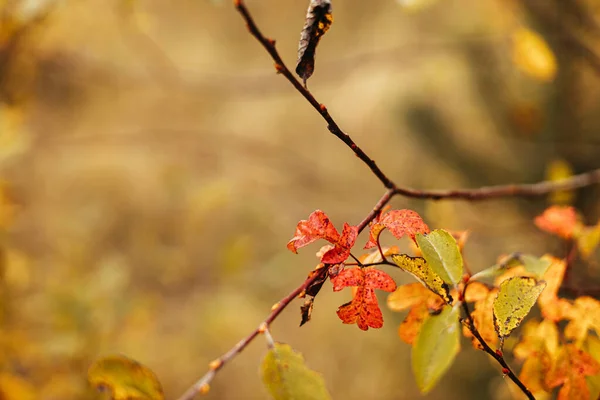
pixel 202 385
pixel 491 192
pixel 483 193
pixel 497 355
pixel 537 189
pixel 280 67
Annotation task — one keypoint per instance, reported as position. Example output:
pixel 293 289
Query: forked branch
pixel 483 193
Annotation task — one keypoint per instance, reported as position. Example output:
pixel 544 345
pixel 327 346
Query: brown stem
pixel 482 193
pixel 497 355
pixel 269 45
pixel 491 192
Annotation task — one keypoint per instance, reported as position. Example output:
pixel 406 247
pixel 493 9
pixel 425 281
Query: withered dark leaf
pixel 318 20
pixel 306 309
pixel 311 292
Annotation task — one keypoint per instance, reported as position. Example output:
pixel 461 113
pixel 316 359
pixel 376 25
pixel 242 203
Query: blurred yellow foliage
pixel 533 56
pixel 556 170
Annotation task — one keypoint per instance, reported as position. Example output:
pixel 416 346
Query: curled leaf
pixel 318 20
pixel 419 268
pixel 319 226
pixel 400 223
pixel 125 378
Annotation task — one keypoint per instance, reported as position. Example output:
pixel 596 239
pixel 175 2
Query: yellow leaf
pixel 125 378
pixel 533 56
pixel 418 267
pixel 555 171
pixel 15 388
pixel 588 238
pixel 515 298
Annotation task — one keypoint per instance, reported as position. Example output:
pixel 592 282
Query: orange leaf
pixel 558 220
pixel 570 371
pixel 482 314
pixel 318 226
pixel 421 301
pixel 400 223
pixel 554 308
pixel 539 350
pixel 584 315
pixel 363 310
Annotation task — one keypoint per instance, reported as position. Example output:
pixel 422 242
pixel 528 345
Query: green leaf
pixel 125 378
pixel 436 347
pixel 535 265
pixel 516 297
pixel 287 377
pixel 418 267
pixel 442 254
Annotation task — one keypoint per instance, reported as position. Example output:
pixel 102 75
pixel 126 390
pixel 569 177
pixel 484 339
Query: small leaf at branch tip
pixel 215 364
pixel 274 306
pixel 204 389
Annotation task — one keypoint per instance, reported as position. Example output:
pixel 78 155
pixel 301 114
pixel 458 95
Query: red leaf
pixel 399 223
pixel 318 226
pixel 558 220
pixel 363 310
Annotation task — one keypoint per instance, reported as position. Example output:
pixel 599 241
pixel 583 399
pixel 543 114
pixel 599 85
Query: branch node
pixel 279 68
pixel 275 306
pixel 215 364
pixel 204 389
pixel 263 327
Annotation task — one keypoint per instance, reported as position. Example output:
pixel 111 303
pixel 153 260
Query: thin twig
pixel 491 192
pixel 497 355
pixel 203 383
pixel 269 45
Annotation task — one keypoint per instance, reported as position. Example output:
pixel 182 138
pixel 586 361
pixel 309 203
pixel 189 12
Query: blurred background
pixel 153 167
